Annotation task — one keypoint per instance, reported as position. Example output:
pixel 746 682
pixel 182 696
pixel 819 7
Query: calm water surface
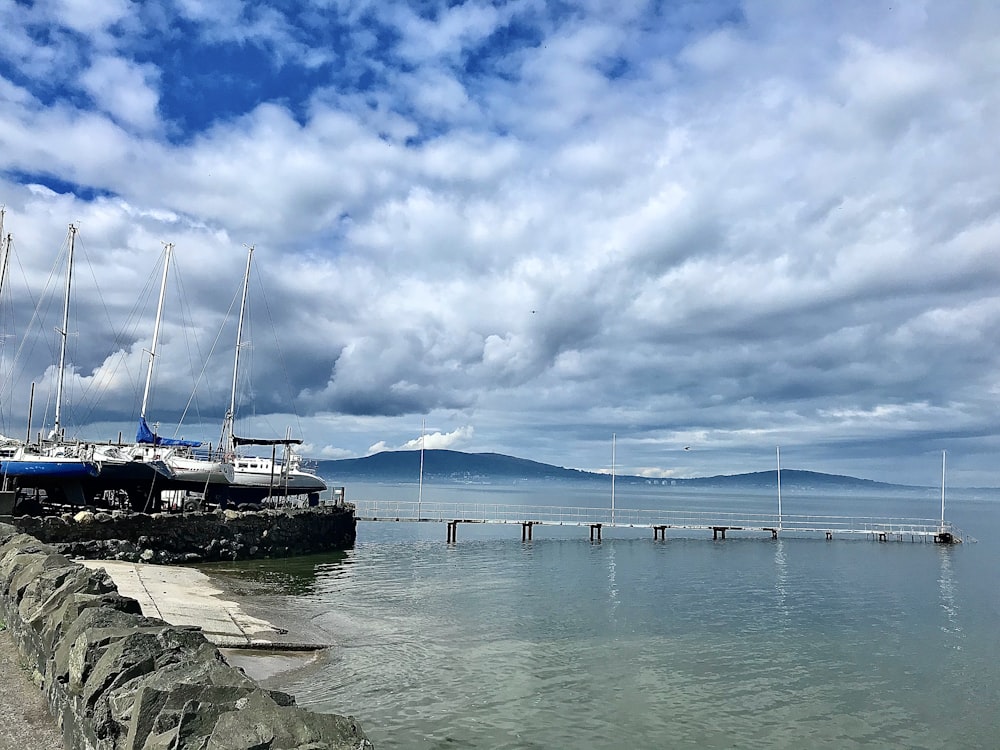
pixel 559 642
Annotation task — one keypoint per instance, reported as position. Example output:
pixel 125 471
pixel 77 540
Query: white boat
pixel 285 475
pixel 257 478
pixel 186 465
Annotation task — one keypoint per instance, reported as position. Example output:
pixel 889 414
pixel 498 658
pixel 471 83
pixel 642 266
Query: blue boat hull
pixel 49 469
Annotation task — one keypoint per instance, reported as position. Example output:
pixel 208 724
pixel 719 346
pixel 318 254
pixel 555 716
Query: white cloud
pixel 124 90
pixel 447 36
pixel 714 52
pixel 429 441
pixel 893 89
pixel 88 17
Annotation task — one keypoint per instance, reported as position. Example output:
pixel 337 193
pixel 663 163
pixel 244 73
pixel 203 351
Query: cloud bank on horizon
pixel 709 228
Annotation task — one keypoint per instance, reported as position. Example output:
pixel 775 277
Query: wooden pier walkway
pixel 659 521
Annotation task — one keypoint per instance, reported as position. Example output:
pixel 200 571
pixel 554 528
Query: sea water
pixel 560 642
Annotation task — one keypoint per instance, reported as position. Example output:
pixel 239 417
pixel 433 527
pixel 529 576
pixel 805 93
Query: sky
pixel 660 238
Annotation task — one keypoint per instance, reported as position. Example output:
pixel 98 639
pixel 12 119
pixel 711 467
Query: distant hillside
pixel 789 478
pixel 443 465
pixel 456 466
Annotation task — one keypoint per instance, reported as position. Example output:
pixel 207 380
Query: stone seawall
pixel 170 538
pixel 116 680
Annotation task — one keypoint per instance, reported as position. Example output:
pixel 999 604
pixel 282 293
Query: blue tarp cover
pixel 145 435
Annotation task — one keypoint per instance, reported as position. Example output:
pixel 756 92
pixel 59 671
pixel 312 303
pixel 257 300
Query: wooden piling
pixel 526 530
pixel 595 527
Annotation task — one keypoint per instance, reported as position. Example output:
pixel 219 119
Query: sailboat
pixel 257 478
pixel 177 454
pixel 48 465
pixel 23 461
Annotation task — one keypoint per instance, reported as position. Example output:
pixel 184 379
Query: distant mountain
pixel 789 478
pixel 456 466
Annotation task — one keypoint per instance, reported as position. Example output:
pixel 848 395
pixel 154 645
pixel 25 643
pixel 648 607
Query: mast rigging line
pixel 127 331
pixel 242 373
pixel 281 356
pixel 205 360
pixel 8 383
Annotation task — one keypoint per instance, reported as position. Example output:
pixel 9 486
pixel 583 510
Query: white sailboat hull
pixel 197 470
pixel 268 474
pixel 184 465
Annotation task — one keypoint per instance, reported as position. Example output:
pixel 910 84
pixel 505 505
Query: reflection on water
pixel 780 581
pixel 612 582
pixel 949 597
pixel 293 576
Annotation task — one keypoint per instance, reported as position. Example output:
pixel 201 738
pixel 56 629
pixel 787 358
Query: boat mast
pixel 777 451
pixel 5 243
pixel 156 330
pixel 944 455
pixel 31 409
pixel 64 332
pixel 420 485
pixel 614 437
pixel 227 426
pixel 5 248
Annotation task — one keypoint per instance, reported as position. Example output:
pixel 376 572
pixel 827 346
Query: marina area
pixel 55 470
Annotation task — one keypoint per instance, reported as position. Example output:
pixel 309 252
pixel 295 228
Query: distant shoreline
pixel 482 468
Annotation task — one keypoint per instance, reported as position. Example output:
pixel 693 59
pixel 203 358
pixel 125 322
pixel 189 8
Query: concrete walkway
pixel 186 597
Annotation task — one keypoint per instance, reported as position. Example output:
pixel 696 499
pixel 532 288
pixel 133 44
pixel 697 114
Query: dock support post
pixel 829 536
pixel 526 530
pixel 881 536
pixel 716 530
pixel 660 532
pixel 595 527
pixel 452 531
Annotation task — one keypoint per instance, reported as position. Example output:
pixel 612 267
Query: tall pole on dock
pixel 778 452
pixel 943 459
pixel 420 483
pixel 613 438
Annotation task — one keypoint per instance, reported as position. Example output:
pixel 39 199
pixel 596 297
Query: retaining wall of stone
pixel 193 537
pixel 116 680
